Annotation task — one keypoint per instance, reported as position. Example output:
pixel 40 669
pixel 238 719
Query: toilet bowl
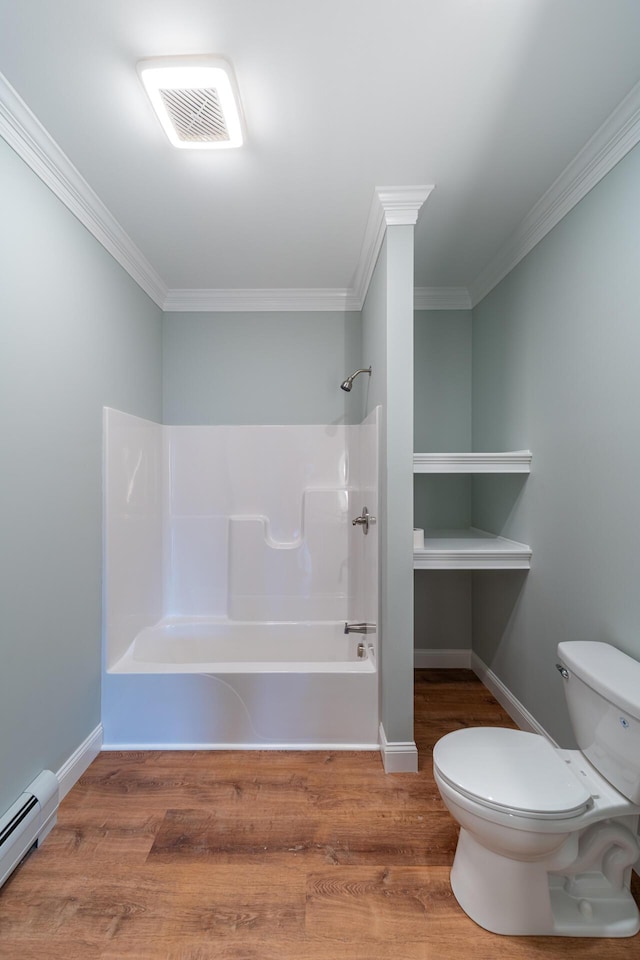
pixel 546 841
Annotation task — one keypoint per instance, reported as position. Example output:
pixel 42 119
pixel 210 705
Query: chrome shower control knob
pixel 363 520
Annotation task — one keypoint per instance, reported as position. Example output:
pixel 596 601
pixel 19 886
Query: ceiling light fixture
pixel 196 100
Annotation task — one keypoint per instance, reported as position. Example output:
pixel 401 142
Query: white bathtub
pixel 245 533
pixel 194 645
pixel 188 684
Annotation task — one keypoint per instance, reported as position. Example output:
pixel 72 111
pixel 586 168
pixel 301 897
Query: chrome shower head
pixel 348 383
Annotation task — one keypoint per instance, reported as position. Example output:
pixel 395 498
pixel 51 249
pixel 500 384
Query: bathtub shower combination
pixel 231 567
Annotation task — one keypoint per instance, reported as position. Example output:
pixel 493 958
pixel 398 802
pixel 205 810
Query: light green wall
pixel 555 369
pixel 442 371
pixel 261 368
pixel 374 341
pixel 387 319
pixel 443 605
pixel 442 413
pixel 442 422
pixel 75 333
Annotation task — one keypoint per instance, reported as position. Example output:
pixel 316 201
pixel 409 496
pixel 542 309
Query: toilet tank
pixel 602 687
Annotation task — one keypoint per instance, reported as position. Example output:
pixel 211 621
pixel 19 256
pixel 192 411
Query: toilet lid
pixel 510 770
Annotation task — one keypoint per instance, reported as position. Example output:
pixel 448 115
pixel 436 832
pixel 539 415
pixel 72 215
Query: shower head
pixel 348 383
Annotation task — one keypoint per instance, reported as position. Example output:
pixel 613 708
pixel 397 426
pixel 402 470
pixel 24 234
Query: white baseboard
pixel 518 713
pixel 127 747
pixel 73 768
pixel 441 659
pixel 398 757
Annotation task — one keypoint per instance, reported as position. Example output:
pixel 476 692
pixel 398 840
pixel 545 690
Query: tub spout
pixel 359 628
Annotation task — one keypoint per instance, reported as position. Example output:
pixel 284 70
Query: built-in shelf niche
pixel 471 549
pixel 516 461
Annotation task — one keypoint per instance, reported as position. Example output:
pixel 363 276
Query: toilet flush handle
pixel 564 673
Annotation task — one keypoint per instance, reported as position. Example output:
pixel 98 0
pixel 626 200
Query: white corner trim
pixel 267 300
pixel 425 659
pixel 390 206
pixel 398 757
pixel 26 135
pixel 71 771
pixel 609 144
pixel 518 713
pixel 401 205
pixel 441 298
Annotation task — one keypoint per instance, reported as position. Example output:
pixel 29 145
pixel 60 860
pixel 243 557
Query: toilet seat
pixel 512 772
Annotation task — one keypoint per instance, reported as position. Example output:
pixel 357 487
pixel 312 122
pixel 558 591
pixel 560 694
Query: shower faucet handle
pixel 363 520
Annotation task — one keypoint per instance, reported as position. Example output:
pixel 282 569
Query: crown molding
pixel 441 298
pixel 401 205
pixel 300 300
pixel 266 300
pixel 30 140
pixel 609 144
pixel 390 206
pixel 26 135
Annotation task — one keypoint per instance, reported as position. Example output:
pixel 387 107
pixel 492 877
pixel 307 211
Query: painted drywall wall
pixel 442 385
pixel 442 412
pixel 75 333
pixel 374 342
pixel 555 369
pixel 374 388
pixel 442 422
pixel 261 368
pixel 387 319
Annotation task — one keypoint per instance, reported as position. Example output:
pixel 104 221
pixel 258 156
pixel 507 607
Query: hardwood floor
pixel 264 856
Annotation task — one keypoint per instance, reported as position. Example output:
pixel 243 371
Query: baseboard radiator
pixel 27 822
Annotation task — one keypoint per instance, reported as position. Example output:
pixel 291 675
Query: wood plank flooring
pixel 264 856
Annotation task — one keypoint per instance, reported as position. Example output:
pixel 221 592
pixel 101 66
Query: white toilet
pixel 548 836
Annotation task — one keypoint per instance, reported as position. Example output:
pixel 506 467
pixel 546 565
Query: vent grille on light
pixel 196 101
pixel 197 115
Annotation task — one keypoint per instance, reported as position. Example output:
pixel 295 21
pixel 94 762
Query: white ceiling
pixel 487 99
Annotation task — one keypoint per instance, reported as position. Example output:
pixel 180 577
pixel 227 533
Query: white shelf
pixel 515 461
pixel 470 550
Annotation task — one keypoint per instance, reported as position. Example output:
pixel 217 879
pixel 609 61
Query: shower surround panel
pixel 231 565
pixel 257 522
